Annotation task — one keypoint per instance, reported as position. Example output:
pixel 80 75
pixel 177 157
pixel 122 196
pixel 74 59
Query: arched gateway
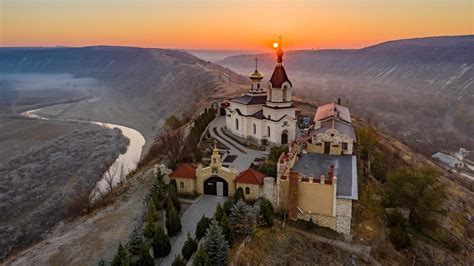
pixel 216 185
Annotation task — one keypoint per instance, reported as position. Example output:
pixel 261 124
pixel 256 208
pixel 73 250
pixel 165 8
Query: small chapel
pixel 264 115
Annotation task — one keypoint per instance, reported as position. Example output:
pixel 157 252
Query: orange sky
pixel 229 24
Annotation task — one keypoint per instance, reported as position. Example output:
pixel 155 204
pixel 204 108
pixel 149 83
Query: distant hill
pixel 435 65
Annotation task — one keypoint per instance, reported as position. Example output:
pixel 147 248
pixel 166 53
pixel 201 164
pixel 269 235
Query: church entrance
pixel 284 137
pixel 216 185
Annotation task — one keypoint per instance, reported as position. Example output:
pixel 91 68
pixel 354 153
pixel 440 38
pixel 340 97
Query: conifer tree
pixel 239 195
pixel 201 259
pixel 121 258
pixel 134 243
pixel 161 243
pixel 266 212
pixel 189 247
pixel 178 261
pixel 215 245
pixel 145 258
pixel 227 206
pixel 149 230
pixel 226 228
pixel 173 187
pixel 202 226
pixel 157 190
pixel 218 213
pixel 242 219
pixel 173 196
pixel 173 223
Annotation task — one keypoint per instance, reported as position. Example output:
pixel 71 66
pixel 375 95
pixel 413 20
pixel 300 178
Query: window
pixel 258 85
pixel 254 129
pixel 237 124
pixel 181 184
pixel 247 190
pixel 344 146
pixel 268 131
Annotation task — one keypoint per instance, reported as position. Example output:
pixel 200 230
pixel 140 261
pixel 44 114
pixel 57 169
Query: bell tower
pixel 256 78
pixel 279 87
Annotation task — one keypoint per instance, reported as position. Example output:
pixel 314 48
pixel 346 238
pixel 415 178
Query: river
pixel 124 163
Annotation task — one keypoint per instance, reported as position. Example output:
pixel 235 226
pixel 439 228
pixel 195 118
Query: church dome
pixel 256 75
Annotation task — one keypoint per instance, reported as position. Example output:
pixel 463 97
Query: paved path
pixel 245 156
pixel 205 205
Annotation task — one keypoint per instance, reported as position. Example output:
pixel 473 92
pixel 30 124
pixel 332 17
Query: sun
pixel 275 45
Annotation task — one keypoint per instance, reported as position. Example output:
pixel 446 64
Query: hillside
pixel 420 90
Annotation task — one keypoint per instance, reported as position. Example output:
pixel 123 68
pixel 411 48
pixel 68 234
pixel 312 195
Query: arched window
pixel 237 124
pixel 268 131
pixel 285 92
pixel 247 190
pixel 254 129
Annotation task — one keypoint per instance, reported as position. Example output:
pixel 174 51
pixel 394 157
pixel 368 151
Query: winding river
pixel 124 163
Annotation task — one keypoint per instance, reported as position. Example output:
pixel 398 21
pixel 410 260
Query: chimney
pixel 331 172
pixel 339 101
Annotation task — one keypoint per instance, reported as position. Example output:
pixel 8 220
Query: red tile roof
pixel 250 176
pixel 184 170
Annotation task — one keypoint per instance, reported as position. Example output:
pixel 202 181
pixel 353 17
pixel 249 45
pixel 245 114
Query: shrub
pixel 178 261
pixel 266 212
pixel 215 245
pixel 399 237
pixel 269 168
pixel 396 218
pixel 276 151
pixel 134 244
pixel 201 259
pixel 173 122
pixel 239 195
pixel 310 225
pixel 173 223
pixel 190 246
pixel 202 226
pixel 121 258
pixel 161 243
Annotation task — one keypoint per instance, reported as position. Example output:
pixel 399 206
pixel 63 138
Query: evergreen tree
pixel 173 187
pixel 145 258
pixel 178 261
pixel 173 197
pixel 201 259
pixel 215 245
pixel 157 190
pixel 266 212
pixel 149 230
pixel 242 219
pixel 226 228
pixel 161 243
pixel 121 258
pixel 239 195
pixel 202 226
pixel 218 213
pixel 227 205
pixel 189 247
pixel 134 243
pixel 173 223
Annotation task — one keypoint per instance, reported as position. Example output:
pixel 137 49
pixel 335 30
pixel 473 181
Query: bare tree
pixel 110 176
pixel 173 144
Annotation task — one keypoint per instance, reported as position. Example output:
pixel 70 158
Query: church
pixel 264 115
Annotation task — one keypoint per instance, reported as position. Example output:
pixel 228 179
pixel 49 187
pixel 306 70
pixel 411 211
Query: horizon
pixel 194 25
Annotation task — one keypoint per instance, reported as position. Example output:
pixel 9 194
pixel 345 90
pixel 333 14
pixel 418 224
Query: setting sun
pixel 275 45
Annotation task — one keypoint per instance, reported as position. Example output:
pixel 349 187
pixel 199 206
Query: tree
pixel 121 258
pixel 202 226
pixel 276 151
pixel 149 230
pixel 215 245
pixel 173 196
pixel 173 145
pixel 157 190
pixel 367 140
pixel 201 259
pixel 152 210
pixel 173 186
pixel 161 243
pixel 134 244
pixel 145 258
pixel 219 212
pixel 419 191
pixel 242 219
pixel 178 261
pixel 239 194
pixel 173 223
pixel 228 205
pixel 266 212
pixel 226 228
pixel 189 247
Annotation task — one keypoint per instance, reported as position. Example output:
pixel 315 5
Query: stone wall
pixel 343 216
pixel 269 191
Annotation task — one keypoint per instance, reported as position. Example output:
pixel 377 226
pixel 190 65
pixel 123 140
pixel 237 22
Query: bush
pixel 266 212
pixel 202 227
pixel 173 122
pixel 201 259
pixel 310 225
pixel 215 245
pixel 269 168
pixel 396 218
pixel 161 243
pixel 218 213
pixel 178 261
pixel 399 237
pixel 190 246
pixel 173 223
pixel 134 244
pixel 121 258
pixel 276 152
